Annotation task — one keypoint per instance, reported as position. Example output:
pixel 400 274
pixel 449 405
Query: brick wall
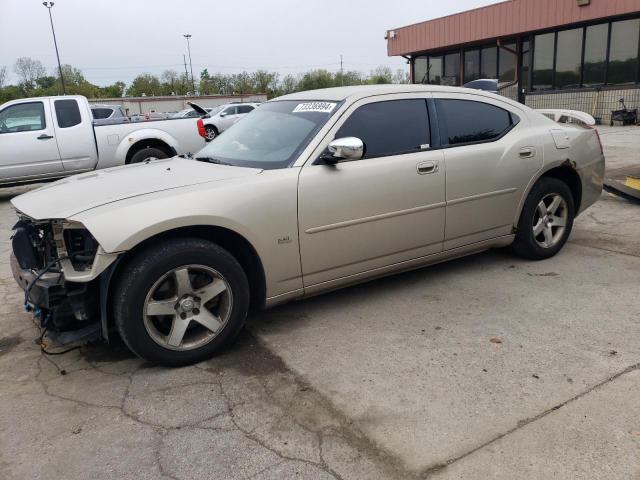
pixel 596 103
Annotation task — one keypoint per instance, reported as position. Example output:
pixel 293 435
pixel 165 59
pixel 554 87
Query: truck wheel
pixel 147 153
pixel 546 220
pixel 180 301
pixel 210 132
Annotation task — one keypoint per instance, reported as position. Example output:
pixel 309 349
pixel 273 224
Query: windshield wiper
pixel 217 161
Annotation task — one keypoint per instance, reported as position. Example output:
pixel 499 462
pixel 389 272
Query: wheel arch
pixel 237 245
pixel 149 143
pixel 565 172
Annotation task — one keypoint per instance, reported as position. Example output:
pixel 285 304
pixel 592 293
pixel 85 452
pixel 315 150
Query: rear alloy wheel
pixel 210 132
pixel 546 220
pixel 181 301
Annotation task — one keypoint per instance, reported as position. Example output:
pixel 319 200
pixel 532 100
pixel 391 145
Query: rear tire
pixel 148 153
pixel 181 301
pixel 546 220
pixel 210 132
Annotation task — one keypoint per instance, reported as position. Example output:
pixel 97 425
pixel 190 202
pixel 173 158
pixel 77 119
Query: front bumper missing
pixel 69 311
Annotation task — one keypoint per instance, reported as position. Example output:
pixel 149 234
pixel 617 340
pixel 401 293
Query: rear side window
pixel 389 128
pixel 101 113
pixel 468 121
pixel 245 108
pixel 67 113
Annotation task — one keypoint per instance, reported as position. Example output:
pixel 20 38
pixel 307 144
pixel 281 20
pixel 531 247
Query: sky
pixel 111 40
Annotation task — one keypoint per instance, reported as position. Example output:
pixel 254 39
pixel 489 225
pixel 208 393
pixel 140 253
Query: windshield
pixel 271 136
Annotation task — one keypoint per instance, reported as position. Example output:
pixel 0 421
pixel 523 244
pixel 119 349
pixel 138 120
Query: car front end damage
pixel 62 270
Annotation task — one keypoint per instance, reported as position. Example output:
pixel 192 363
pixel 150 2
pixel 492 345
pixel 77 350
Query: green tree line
pixel 35 81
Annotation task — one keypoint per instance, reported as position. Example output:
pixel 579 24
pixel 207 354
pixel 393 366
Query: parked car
pixel 223 117
pixel 104 114
pixel 311 192
pixel 52 137
pixel 486 84
pixel 189 113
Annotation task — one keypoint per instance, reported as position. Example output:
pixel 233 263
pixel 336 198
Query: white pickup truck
pixel 46 138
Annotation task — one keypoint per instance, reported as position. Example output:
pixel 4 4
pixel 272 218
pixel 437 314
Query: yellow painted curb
pixel 633 182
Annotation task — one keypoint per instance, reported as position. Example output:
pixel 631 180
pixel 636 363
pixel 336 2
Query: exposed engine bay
pixel 68 311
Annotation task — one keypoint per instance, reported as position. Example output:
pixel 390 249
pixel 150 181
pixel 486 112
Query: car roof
pixel 361 91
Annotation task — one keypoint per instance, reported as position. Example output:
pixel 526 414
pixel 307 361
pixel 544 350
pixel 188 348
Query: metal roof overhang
pixel 501 20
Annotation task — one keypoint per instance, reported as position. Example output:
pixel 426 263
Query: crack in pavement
pixel 527 421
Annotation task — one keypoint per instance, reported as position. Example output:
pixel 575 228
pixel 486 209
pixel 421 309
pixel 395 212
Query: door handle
pixel 427 167
pixel 527 152
pixel 45 137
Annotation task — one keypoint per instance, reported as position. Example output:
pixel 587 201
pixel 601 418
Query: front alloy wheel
pixel 180 301
pixel 187 307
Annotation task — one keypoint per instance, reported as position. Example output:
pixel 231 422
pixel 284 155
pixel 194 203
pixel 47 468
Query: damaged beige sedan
pixel 310 192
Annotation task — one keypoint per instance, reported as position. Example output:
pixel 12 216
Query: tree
pixel 3 76
pixel 401 76
pixel 381 75
pixel 288 84
pixel 316 79
pixel 172 83
pixel 264 82
pixel 28 71
pixel 144 85
pixel 113 91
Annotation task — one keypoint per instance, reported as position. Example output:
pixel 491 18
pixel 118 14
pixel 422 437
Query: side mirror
pixel 222 114
pixel 347 148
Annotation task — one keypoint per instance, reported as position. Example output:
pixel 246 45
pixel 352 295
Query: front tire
pixel 546 220
pixel 180 301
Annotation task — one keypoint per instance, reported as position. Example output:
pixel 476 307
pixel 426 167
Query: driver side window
pixel 24 117
pixel 230 111
pixel 391 127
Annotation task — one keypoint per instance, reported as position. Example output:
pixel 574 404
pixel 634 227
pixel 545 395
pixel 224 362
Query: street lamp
pixel 193 82
pixel 49 6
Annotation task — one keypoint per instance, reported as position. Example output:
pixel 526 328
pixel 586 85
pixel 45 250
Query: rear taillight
pixel 201 128
pixel 599 141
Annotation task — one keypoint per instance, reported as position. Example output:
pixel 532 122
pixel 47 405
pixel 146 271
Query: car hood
pixel 79 193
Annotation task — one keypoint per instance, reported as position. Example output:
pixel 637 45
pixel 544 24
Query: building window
pixel 525 71
pixel 471 65
pixel 595 55
pixel 543 61
pixel 568 58
pixel 489 62
pixel 435 70
pixel 420 69
pixel 508 62
pixel 623 52
pixel 451 69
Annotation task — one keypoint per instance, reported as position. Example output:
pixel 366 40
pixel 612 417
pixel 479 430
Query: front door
pixel 387 208
pixel 28 146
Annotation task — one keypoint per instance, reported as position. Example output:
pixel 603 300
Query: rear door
pixel 74 132
pixel 389 207
pixel 490 158
pixel 227 117
pixel 27 142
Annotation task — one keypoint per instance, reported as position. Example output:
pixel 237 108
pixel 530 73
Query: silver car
pixel 313 191
pixel 223 117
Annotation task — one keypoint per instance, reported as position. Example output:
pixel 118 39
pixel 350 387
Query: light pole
pixel 193 82
pixel 49 6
